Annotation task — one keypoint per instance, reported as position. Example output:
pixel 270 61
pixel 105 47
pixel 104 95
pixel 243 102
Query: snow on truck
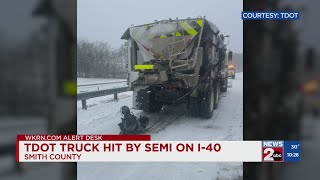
pixel 182 60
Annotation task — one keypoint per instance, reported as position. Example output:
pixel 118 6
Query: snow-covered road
pixel 103 115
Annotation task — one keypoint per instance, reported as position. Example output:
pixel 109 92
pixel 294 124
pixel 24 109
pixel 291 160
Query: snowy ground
pixel 103 115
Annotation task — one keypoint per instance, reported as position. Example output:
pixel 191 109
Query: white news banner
pixel 139 151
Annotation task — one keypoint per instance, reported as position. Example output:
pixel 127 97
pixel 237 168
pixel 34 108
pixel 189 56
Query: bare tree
pixel 98 59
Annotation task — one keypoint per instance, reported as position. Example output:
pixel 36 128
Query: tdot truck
pixel 181 60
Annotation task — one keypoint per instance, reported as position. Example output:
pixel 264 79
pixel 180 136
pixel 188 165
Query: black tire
pixel 147 101
pixel 153 106
pixel 194 106
pixel 233 76
pixel 217 94
pixel 224 87
pixel 207 103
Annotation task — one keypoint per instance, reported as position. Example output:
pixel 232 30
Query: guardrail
pixel 83 85
pixel 93 94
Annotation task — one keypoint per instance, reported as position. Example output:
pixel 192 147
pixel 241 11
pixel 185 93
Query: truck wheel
pixel 194 106
pixel 207 104
pixel 224 87
pixel 153 105
pixel 216 95
pixel 147 101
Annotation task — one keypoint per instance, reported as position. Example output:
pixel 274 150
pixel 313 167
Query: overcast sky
pixel 106 20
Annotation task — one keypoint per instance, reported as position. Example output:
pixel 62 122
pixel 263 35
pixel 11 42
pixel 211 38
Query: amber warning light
pixel 231 66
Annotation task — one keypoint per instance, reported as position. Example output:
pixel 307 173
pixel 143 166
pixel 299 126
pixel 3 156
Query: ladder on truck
pixel 171 49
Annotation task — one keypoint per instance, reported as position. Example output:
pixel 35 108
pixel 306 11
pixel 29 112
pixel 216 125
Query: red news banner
pixel 131 148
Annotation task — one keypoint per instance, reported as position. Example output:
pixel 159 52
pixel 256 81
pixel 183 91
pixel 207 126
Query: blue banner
pixel 291 151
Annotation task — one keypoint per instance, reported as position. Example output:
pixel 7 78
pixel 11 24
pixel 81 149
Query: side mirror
pixel 227 36
pixel 230 55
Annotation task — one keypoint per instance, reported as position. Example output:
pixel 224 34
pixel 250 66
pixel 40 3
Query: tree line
pixel 98 59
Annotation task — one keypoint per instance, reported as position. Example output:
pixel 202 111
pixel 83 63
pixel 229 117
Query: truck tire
pixel 216 95
pixel 208 103
pixel 147 101
pixel 153 105
pixel 194 106
pixel 224 87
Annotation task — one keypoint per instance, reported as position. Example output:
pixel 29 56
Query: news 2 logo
pixel 272 151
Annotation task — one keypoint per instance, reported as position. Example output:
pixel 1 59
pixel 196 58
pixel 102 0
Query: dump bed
pixel 170 39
